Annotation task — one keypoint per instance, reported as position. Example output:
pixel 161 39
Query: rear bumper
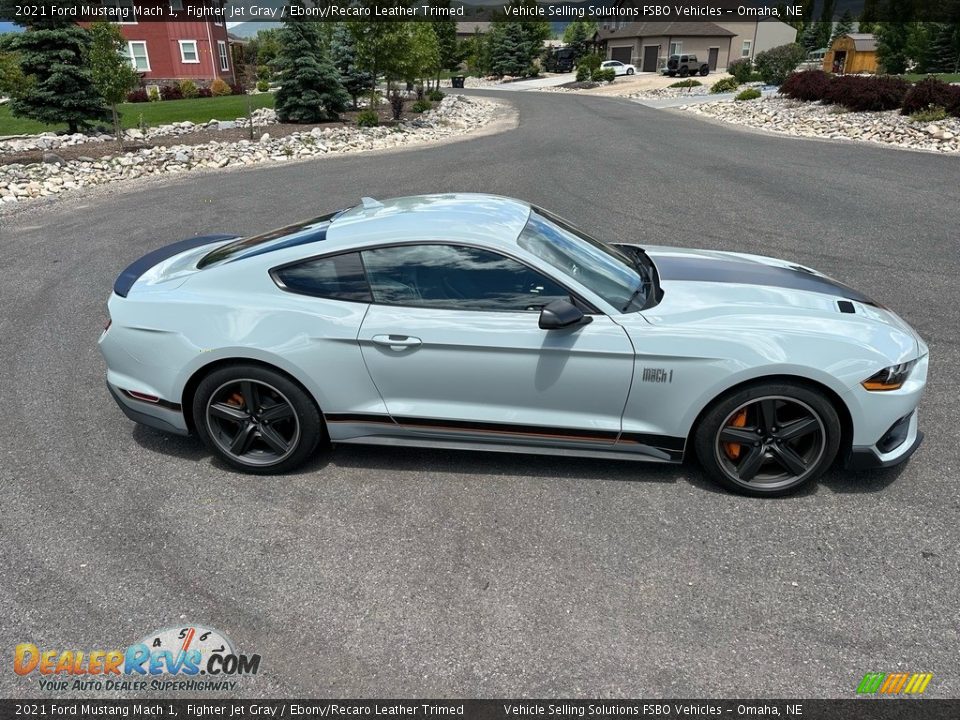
pixel 168 419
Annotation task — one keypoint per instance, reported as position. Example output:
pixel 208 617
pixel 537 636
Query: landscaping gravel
pixel 455 115
pixel 791 117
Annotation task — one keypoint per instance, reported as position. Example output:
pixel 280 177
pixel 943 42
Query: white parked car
pixel 618 67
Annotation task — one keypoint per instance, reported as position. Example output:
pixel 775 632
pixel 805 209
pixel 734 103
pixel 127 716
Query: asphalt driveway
pixel 382 572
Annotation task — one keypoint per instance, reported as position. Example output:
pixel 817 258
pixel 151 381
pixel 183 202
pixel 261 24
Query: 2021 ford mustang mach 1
pixel 478 322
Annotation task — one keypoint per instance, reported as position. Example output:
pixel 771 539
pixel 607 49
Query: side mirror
pixel 562 314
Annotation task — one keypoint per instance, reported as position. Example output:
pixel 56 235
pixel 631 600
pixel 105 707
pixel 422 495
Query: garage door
pixel 650 55
pixel 622 54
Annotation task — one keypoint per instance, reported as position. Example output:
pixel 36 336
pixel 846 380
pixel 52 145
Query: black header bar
pixel 27 12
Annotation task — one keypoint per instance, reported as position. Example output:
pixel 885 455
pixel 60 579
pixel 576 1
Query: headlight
pixel 891 378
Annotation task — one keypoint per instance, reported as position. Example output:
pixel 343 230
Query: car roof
pixel 491 219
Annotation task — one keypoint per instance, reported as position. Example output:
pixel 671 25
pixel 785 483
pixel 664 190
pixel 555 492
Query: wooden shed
pixel 852 53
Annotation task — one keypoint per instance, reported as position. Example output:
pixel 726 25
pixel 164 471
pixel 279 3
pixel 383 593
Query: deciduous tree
pixel 113 75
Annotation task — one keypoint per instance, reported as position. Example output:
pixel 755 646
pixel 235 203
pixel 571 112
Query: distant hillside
pixel 250 29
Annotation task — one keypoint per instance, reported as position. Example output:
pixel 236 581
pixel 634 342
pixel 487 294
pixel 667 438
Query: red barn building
pixel 185 45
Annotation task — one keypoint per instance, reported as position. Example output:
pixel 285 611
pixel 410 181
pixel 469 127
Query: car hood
pixel 709 286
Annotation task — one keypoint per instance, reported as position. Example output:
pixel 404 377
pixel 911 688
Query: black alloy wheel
pixel 769 440
pixel 256 420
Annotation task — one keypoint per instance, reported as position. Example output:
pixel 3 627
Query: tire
pixel 777 437
pixel 256 420
pixel 684 71
pixel 630 71
pixel 704 71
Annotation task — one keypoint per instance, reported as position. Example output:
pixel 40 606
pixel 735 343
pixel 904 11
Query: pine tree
pixel 508 54
pixel 310 88
pixel 59 85
pixel 343 53
pixel 451 54
pixel 944 50
pixel 825 26
pixel 844 26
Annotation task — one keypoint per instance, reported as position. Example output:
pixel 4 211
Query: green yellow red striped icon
pixel 894 683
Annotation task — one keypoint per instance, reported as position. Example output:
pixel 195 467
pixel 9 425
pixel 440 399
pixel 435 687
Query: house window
pixel 137 50
pixel 676 48
pixel 123 14
pixel 176 6
pixel 188 52
pixel 224 57
pixel 745 50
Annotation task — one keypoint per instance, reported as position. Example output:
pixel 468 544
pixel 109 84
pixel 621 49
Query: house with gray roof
pixel 647 45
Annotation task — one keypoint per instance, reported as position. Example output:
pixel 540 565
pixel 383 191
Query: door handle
pixel 397 342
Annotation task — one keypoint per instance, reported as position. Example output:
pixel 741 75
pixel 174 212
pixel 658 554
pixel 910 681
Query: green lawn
pixel 946 77
pixel 154 113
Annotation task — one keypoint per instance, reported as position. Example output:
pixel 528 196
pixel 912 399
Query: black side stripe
pixel 672 446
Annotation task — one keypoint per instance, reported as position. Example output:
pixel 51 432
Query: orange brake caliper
pixel 733 449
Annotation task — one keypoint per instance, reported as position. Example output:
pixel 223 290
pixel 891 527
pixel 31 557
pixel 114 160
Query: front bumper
pixel 871 458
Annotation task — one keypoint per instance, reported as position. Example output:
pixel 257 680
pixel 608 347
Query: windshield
pixel 609 273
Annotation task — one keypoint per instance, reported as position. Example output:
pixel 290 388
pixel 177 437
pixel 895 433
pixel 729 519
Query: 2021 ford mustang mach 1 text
pixel 478 322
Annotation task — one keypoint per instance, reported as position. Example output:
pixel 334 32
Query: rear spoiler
pixel 134 270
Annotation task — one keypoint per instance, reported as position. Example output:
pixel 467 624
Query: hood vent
pixel 846 306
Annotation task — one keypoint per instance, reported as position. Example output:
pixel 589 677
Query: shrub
pixel 188 88
pixel 138 96
pixel 603 75
pixel 421 106
pixel 153 95
pixel 927 92
pixel 932 113
pixel 725 85
pixel 204 92
pixel 263 72
pixel 263 86
pixel 170 92
pixel 583 73
pixel 436 95
pixel 367 118
pixel 867 93
pixel 591 62
pixel 237 89
pixel 396 104
pixel 686 84
pixel 741 69
pixel 953 107
pixel 775 64
pixel 809 85
pixel 748 94
pixel 219 88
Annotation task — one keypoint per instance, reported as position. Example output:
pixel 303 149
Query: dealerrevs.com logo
pixel 186 658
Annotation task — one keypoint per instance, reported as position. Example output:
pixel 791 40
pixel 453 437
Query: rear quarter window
pixel 339 277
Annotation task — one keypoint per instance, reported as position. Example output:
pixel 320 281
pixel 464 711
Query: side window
pixel 457 278
pixel 336 278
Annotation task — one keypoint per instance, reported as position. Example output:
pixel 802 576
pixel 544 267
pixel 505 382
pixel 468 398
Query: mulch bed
pixel 97 150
